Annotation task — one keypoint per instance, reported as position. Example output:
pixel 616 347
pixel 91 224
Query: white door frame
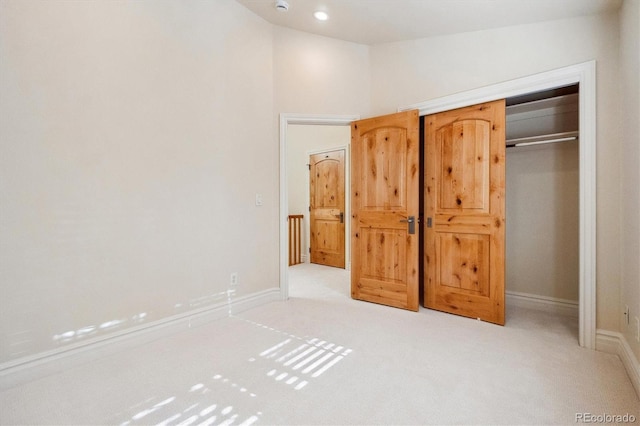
pixel 583 74
pixel 285 120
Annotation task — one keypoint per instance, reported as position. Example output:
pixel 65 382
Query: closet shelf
pixel 543 139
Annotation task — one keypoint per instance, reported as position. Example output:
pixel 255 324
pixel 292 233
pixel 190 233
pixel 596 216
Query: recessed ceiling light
pixel 282 6
pixel 320 15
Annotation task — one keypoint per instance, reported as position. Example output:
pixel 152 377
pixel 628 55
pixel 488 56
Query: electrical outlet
pixel 258 199
pixel 627 317
pixel 234 278
pixel 637 329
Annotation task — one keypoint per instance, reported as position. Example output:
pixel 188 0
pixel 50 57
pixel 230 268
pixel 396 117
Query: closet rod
pixel 543 139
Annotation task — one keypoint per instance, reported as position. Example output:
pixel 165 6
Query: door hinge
pixel 309 208
pixel 309 249
pixel 309 166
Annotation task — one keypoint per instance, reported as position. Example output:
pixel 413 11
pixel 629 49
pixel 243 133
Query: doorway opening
pixel 542 187
pixel 300 137
pixel 317 188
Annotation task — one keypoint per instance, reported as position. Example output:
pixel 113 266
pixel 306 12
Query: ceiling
pixel 384 21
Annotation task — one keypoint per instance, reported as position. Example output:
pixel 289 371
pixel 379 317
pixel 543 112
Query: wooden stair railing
pixel 295 239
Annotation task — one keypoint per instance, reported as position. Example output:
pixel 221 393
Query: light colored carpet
pixel 322 358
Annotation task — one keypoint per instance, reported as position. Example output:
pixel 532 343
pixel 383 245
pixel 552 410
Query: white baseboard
pixel 615 343
pixel 563 306
pixel 32 367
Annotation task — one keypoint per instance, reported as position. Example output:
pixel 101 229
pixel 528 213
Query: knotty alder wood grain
pixel 327 201
pixel 385 191
pixel 464 194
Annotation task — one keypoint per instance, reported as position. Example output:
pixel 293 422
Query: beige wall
pixel 301 140
pixel 135 136
pixel 133 139
pixel 630 162
pixel 319 75
pixel 408 72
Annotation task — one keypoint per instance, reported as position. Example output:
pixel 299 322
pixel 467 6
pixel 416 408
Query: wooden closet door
pixel 465 211
pixel 385 158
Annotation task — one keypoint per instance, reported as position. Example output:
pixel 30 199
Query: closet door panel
pixel 465 209
pixel 463 148
pixel 385 193
pixel 464 261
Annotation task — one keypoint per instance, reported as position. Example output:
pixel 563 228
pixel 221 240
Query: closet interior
pixel 542 197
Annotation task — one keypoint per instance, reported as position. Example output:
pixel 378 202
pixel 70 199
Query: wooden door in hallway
pixel 465 211
pixel 326 208
pixel 385 202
